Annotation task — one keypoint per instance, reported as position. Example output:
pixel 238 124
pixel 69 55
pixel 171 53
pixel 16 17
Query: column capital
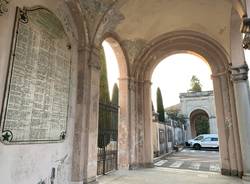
pixel 94 60
pixel 239 73
pixel 246 41
pixel 3 6
pixel 147 82
pixel 219 74
pixel 133 82
pixel 125 78
pixel 84 48
pixel 245 28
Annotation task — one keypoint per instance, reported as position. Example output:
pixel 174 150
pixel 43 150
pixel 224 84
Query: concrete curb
pixel 157 159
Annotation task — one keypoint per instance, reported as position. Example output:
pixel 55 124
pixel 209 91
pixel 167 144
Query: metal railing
pixel 107 138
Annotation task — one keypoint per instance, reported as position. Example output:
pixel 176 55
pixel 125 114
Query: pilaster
pixel 148 143
pixel 224 123
pixel 124 124
pixel 84 167
pixel 239 79
pixel 141 125
pixel 242 97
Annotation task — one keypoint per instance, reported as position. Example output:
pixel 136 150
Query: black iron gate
pixel 107 138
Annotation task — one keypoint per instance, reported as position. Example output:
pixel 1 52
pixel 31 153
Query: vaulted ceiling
pixel 144 20
pixel 148 19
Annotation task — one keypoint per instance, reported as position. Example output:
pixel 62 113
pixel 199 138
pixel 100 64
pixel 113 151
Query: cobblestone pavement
pixel 199 160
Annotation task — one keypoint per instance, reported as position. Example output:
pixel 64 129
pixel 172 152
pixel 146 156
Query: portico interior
pixel 141 33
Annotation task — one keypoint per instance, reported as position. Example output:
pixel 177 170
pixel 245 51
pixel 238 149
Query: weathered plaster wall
pixel 33 163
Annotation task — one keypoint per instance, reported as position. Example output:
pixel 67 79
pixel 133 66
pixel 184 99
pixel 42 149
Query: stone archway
pixel 208 49
pixel 123 122
pixel 203 102
pixel 196 115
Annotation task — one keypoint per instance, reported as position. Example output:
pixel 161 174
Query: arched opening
pixel 180 97
pixel 188 99
pixel 199 122
pixel 112 108
pixel 216 57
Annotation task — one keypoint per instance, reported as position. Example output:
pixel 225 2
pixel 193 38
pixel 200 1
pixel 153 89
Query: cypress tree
pixel 104 89
pixel 115 95
pixel 105 121
pixel 115 101
pixel 160 107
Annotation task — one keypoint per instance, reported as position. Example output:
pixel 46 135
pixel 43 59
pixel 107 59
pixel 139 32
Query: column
pixel 141 144
pixel 123 124
pixel 133 161
pixel 239 71
pixel 223 130
pixel 84 164
pixel 213 125
pixel 148 144
pixel 189 133
pixel 92 101
pixel 242 97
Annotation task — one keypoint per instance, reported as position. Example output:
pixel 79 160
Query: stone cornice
pixel 3 6
pixel 196 94
pixel 239 73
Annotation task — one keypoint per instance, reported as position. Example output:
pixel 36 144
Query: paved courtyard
pixel 199 160
pixel 185 167
pixel 160 175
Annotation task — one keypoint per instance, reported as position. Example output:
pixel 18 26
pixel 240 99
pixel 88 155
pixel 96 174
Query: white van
pixel 204 141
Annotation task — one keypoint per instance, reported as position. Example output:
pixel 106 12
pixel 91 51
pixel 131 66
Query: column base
pixel 141 166
pixel 85 182
pixel 91 180
pixel 246 177
pixel 226 172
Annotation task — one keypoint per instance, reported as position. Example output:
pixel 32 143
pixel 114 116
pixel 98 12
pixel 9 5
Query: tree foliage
pixel 202 125
pixel 160 107
pixel 195 84
pixel 177 116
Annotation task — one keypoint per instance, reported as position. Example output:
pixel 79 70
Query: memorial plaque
pixel 37 94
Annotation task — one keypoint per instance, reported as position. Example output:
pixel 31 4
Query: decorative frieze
pixel 239 73
pixel 3 6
